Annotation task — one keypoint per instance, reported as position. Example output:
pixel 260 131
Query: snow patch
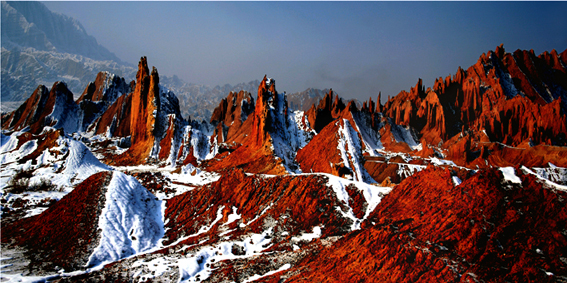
pixel 197 267
pixel 510 175
pixel 8 143
pixel 456 180
pixel 548 182
pixel 233 216
pixel 349 146
pixel 372 194
pixel 56 171
pixel 406 135
pixel 309 236
pixel 256 276
pixel 156 267
pixel 552 173
pixel 441 162
pixel 131 221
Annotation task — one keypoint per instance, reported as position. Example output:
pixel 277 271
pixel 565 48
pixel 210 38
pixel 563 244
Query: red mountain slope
pixel 428 230
pixel 64 235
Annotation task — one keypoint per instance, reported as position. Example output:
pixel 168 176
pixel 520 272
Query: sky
pixel 356 48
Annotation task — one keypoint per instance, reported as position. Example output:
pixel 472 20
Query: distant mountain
pixel 304 99
pixel 40 47
pixel 198 101
pixel 31 24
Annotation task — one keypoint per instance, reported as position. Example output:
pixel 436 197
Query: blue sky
pixel 356 48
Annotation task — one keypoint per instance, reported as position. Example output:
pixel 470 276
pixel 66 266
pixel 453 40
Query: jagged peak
pixel 460 75
pixel 499 51
pixel 60 89
pixel 155 75
pixel 267 85
pixel 338 104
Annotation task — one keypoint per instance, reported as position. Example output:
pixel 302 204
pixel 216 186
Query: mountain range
pixel 40 47
pixel 459 182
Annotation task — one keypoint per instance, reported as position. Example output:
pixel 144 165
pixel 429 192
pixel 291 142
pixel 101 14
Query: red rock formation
pixel 389 141
pixel 263 118
pixel 327 111
pixel 64 235
pixel 106 87
pixel 29 112
pixel 514 99
pixel 322 154
pixel 231 113
pixel 99 95
pixel 37 111
pixel 381 170
pixel 143 112
pixel 403 107
pixel 431 110
pixel 379 103
pixel 116 119
pixel 302 203
pixel 428 230
pixel 236 107
pixel 166 143
pixel 257 152
pixel 145 100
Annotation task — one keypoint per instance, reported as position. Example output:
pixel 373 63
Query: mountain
pixel 33 25
pixel 40 47
pixel 199 101
pixel 304 99
pixel 462 181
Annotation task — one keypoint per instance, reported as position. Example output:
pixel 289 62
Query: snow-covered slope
pixel 38 174
pixel 131 221
pixel 66 164
pixel 350 148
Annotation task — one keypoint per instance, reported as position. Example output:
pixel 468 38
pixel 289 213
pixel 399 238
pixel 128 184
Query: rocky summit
pixel 462 181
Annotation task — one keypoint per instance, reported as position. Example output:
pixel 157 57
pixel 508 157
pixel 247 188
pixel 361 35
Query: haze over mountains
pixel 40 47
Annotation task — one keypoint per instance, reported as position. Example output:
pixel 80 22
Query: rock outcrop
pixel 427 229
pixel 270 137
pixel 231 113
pixel 515 98
pixel 99 95
pixel 52 108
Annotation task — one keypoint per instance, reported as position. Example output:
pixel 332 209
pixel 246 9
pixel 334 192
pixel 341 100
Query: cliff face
pixel 231 114
pixel 516 98
pixel 269 138
pixel 53 108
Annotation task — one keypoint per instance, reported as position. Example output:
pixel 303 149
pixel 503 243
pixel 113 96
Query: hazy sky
pixel 356 48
